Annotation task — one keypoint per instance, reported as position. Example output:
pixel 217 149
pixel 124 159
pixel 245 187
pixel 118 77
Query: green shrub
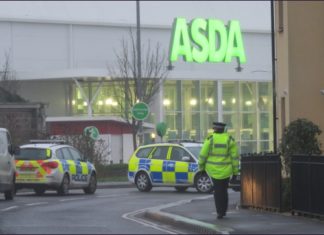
pixel 113 172
pixel 299 137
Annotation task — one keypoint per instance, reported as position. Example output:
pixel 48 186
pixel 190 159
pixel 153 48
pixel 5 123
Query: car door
pixel 81 174
pixel 68 164
pixel 179 163
pixel 158 156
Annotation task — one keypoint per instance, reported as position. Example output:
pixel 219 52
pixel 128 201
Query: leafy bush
pixel 113 172
pixel 299 137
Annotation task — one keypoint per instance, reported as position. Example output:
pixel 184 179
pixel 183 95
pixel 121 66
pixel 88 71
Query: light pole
pixel 139 68
pixel 274 100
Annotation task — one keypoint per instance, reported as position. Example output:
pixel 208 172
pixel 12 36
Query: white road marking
pixel 132 215
pixel 72 199
pixel 36 203
pixel 9 208
pixel 112 195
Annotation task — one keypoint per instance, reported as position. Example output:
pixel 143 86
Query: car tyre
pixel 91 188
pixel 143 182
pixel 10 194
pixel 64 187
pixel 181 188
pixel 203 183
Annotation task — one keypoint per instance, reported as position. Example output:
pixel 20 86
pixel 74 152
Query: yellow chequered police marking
pixel 156 165
pixel 72 167
pixel 181 167
pixel 85 169
pixel 168 177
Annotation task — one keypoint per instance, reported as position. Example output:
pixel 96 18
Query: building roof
pixel 156 13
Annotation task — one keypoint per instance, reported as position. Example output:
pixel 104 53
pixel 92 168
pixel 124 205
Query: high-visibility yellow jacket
pixel 219 156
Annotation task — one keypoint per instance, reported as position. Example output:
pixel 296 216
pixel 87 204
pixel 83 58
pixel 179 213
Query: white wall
pixel 43 51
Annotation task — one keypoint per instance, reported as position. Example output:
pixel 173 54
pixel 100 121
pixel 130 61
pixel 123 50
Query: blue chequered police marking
pixel 181 177
pixel 156 177
pixel 165 166
pixel 78 167
pixel 171 166
pixel 89 165
pixel 131 174
pixel 144 164
pixel 193 167
pixel 168 166
pixel 65 165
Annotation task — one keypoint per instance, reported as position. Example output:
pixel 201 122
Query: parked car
pixel 168 164
pixel 48 164
pixel 7 165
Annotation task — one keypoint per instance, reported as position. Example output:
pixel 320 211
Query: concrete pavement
pixel 198 216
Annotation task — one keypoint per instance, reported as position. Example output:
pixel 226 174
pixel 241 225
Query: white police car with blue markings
pixel 50 164
pixel 168 164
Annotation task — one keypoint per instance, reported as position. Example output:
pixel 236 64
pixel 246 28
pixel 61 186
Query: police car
pixel 168 164
pixel 48 164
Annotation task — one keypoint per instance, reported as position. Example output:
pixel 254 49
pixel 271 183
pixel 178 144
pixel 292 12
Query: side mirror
pixel 185 159
pixel 10 149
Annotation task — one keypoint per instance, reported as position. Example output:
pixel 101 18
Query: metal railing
pixel 261 181
pixel 307 184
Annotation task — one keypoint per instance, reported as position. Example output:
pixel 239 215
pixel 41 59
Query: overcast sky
pixel 253 15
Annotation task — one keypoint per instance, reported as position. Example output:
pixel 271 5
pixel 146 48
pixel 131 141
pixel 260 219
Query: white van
pixel 7 165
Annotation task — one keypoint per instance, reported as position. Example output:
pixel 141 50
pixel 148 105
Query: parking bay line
pixel 72 199
pixel 112 195
pixel 36 204
pixel 9 208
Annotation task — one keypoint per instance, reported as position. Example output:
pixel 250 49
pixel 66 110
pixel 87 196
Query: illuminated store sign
pixel 206 40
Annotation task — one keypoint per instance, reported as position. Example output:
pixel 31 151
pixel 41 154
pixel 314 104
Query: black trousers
pixel 221 195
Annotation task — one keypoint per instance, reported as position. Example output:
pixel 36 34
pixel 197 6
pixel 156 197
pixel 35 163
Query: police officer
pixel 219 158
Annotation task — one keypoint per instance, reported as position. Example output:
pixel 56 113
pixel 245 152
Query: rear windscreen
pixel 33 154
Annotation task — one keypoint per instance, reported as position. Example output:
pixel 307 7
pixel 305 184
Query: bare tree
pixel 8 80
pixel 128 87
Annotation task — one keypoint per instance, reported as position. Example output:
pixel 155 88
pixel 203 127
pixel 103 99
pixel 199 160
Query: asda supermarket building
pixel 60 52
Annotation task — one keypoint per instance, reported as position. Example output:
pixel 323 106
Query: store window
pixel 173 109
pixel 191 108
pixel 230 106
pixel 209 106
pixel 79 105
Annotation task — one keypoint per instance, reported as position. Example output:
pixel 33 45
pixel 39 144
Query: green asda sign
pixel 140 111
pixel 206 40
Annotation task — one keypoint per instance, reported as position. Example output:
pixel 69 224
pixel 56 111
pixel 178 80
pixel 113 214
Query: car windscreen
pixel 195 150
pixel 33 154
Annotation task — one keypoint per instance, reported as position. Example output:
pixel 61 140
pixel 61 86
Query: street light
pixel 139 68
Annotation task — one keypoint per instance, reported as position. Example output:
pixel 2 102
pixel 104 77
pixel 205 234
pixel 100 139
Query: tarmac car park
pixel 52 165
pixel 167 164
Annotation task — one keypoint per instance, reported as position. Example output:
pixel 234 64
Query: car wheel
pixel 143 182
pixel 91 188
pixel 64 187
pixel 203 183
pixel 9 194
pixel 39 191
pixel 181 188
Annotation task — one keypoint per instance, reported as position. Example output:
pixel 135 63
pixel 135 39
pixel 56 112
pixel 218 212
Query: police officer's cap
pixel 219 125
